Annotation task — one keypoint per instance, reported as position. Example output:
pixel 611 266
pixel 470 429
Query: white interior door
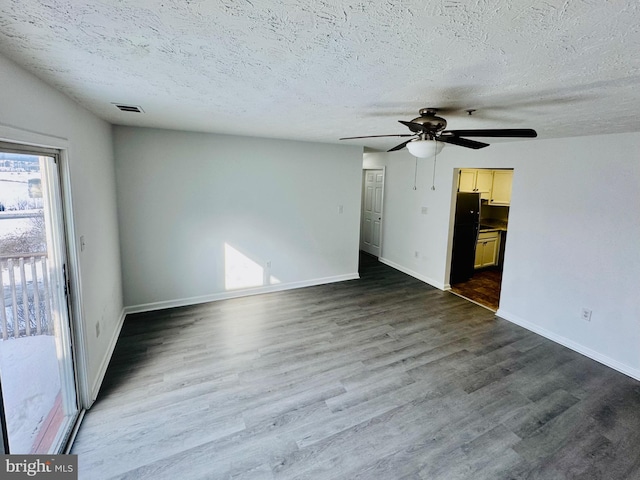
pixel 371 218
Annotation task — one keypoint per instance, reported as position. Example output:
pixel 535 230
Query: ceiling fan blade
pixel 399 147
pixel 414 127
pixel 378 136
pixel 498 132
pixel 463 142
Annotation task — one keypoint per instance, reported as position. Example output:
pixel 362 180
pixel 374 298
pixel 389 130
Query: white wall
pixel 182 196
pixel 34 112
pixel 572 241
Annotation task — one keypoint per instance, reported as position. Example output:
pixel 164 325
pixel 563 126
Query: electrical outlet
pixel 97 329
pixel 586 315
pixel 416 254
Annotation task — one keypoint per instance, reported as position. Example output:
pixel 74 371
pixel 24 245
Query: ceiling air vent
pixel 129 108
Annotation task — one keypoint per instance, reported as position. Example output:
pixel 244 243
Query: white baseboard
pixel 214 297
pixel 576 347
pixel 419 276
pixel 95 388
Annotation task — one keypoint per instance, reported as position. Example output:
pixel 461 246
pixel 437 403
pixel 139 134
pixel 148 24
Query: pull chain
pixel 433 180
pixel 415 176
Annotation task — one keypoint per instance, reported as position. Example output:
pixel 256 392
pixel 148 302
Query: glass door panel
pixel 36 365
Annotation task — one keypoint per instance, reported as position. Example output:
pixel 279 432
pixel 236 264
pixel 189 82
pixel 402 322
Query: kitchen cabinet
pixel 501 187
pixel 467 180
pixel 475 180
pixel 487 249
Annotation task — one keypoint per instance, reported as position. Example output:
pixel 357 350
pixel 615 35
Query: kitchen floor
pixel 482 288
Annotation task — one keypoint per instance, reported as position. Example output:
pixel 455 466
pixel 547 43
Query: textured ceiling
pixel 322 69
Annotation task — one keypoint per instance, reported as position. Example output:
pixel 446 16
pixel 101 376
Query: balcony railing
pixel 25 303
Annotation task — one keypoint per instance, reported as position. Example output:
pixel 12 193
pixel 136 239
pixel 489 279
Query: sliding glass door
pixel 37 377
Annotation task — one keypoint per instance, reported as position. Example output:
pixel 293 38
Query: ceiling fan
pixel 429 129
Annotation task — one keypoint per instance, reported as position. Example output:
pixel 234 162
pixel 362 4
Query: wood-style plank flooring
pixel 378 378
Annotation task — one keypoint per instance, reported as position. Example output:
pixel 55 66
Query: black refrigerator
pixel 465 237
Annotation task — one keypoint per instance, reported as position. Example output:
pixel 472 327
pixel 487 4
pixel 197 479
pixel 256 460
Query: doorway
pixel 484 253
pixel 371 217
pixel 38 390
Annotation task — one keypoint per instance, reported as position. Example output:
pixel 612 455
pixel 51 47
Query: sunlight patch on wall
pixel 240 271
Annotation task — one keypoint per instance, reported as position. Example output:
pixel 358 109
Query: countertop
pixel 489 225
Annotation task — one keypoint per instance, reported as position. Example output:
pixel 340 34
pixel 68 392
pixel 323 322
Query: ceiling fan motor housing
pixel 429 119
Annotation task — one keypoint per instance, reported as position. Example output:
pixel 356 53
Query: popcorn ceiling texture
pixel 318 70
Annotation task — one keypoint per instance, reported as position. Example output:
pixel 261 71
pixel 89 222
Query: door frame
pixel 362 202
pixel 28 139
pixel 455 186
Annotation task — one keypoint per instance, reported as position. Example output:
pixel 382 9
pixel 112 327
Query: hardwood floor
pixel 484 288
pixel 378 378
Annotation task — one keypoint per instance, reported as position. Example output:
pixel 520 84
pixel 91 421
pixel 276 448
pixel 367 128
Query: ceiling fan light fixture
pixel 424 148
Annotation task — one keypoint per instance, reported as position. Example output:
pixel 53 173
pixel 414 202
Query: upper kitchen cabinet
pixel 467 180
pixel 474 180
pixel 501 187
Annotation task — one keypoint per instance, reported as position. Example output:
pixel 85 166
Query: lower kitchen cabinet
pixel 487 249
